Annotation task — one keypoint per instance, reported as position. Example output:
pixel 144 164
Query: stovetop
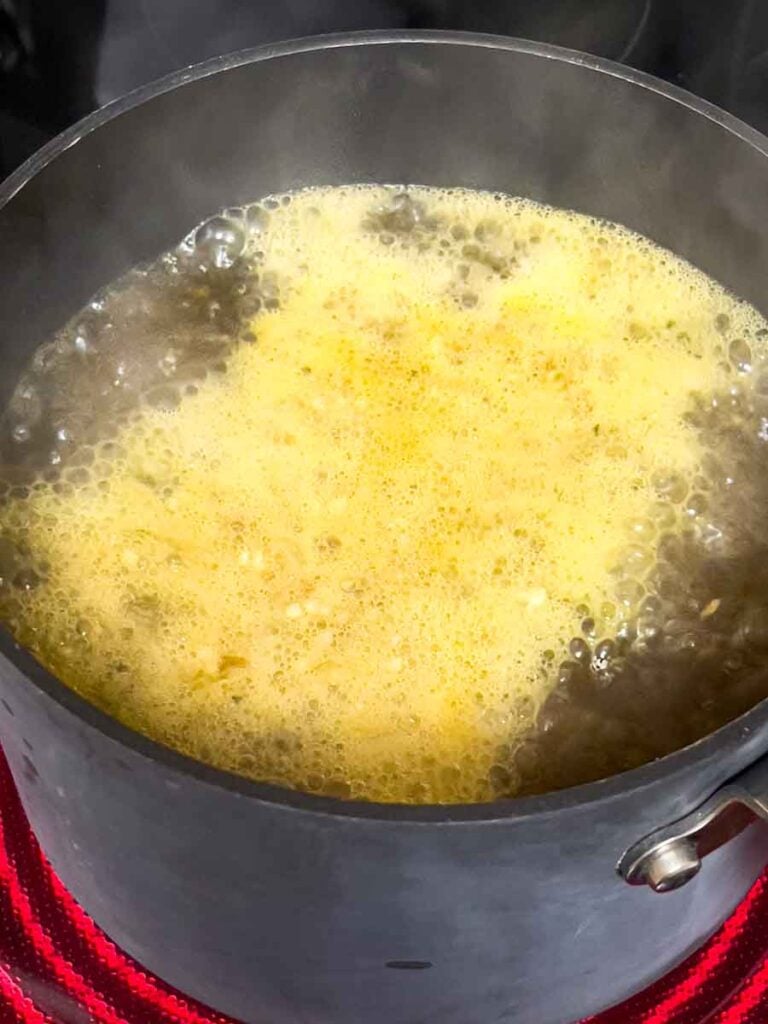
pixel 57 967
pixel 58 61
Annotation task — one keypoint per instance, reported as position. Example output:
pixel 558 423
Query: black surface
pixel 59 61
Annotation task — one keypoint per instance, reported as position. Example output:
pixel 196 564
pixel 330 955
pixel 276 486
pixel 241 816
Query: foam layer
pixel 352 562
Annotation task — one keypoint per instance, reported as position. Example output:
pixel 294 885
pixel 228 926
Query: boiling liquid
pixel 433 496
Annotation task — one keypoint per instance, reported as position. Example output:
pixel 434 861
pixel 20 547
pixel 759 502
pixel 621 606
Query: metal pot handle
pixel 672 855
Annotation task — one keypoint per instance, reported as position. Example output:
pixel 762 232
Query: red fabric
pixel 57 967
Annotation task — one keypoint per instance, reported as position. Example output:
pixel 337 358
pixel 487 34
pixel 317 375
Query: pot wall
pixel 289 909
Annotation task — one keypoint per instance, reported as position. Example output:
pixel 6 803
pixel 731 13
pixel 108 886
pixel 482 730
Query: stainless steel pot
pixel 281 907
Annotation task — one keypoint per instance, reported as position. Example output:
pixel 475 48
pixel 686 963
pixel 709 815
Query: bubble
pixel 78 476
pixel 740 355
pixel 26 404
pixel 643 529
pixel 649 629
pixel 604 652
pixel 696 505
pixel 168 363
pixel 165 399
pixel 400 215
pixel 82 343
pixel 629 592
pixel 220 241
pixel 21 433
pixel 120 374
pixel 651 606
pixel 711 537
pixel 636 559
pixel 567 673
pixel 500 778
pixel 670 485
pixel 27 579
pixel 579 649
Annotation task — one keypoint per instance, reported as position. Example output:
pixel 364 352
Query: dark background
pixel 61 58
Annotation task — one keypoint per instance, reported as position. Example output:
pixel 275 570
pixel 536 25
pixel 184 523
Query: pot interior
pixel 513 118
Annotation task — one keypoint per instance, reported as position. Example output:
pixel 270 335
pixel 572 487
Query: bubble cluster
pixel 385 493
pixel 693 655
pixel 147 338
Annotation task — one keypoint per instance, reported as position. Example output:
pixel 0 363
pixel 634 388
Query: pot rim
pixel 728 737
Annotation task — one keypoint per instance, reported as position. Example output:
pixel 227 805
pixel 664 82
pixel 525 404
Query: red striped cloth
pixel 57 967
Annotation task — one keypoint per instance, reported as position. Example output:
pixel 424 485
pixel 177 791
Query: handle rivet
pixel 670 865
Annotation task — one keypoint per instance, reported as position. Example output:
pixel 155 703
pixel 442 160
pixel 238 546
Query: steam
pixel 143 41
